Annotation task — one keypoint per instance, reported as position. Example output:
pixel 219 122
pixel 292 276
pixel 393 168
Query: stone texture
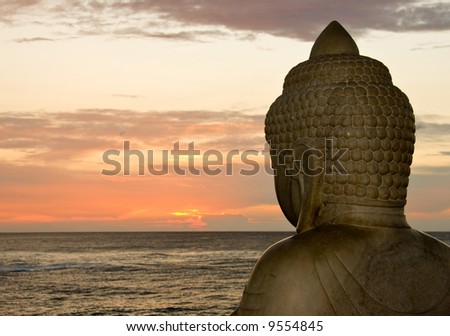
pixel 354 252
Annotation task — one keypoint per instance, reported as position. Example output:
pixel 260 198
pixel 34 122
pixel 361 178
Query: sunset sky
pixel 79 78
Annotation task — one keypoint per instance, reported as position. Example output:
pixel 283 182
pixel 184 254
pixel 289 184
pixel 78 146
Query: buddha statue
pixel 342 139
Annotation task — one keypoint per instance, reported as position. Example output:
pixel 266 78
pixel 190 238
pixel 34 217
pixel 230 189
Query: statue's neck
pixel 360 215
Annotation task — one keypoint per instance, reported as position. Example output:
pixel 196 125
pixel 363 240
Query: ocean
pixel 140 273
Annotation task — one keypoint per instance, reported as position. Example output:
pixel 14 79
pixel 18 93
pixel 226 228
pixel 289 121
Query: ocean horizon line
pixel 161 231
pixel 176 231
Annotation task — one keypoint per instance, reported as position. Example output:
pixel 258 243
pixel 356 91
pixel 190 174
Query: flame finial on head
pixel 334 39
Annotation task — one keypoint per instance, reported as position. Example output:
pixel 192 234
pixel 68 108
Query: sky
pixel 81 78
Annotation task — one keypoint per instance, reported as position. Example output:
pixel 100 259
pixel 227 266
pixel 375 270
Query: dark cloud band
pixel 193 19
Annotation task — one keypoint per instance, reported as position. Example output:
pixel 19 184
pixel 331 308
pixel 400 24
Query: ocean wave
pixel 18 268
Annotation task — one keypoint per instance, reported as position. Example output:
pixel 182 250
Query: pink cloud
pixel 66 137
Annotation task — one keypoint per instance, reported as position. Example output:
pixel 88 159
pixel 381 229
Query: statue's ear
pixel 298 179
pixel 283 186
pixel 307 183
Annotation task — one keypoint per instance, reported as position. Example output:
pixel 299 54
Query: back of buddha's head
pixel 342 102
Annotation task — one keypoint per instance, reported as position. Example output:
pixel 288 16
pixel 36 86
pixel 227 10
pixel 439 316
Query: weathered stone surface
pixel 343 135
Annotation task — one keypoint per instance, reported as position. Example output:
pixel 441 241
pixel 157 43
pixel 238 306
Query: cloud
pixel 127 96
pixel 441 46
pixel 419 17
pixel 33 39
pixel 429 192
pixel 428 199
pixel 192 34
pixel 432 131
pixel 197 20
pixel 69 137
pixel 431 170
pixel 226 222
pixel 428 47
pixel 301 19
pixel 121 20
pixel 11 6
pixel 9 9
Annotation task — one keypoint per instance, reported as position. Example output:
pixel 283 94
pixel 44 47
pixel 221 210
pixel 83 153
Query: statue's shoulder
pixel 286 279
pixel 309 245
pixel 351 270
pixel 300 252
